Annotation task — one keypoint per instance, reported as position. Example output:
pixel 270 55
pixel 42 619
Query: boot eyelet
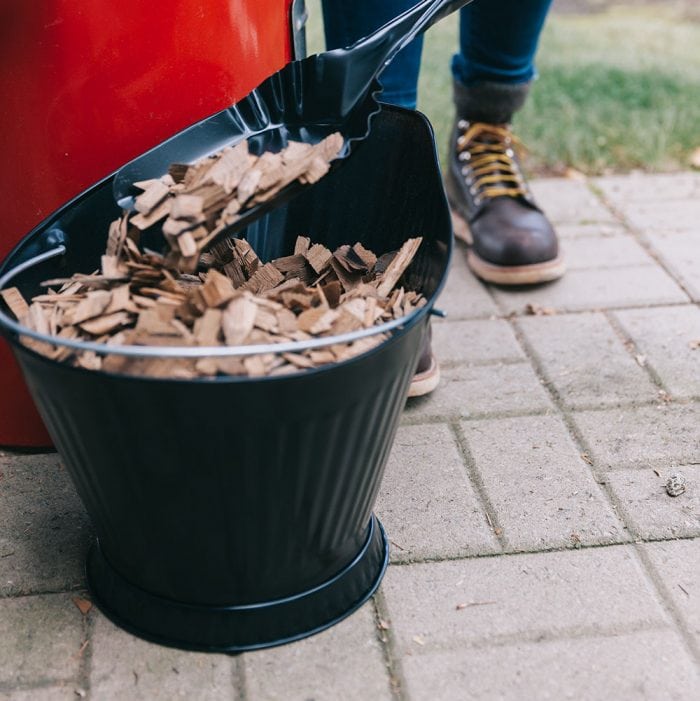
pixel 463 124
pixel 465 171
pixel 510 153
pixel 465 156
pixel 473 190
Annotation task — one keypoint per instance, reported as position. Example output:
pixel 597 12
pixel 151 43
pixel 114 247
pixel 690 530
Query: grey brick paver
pixel 463 296
pixel 45 531
pixel 571 232
pixel 649 510
pixel 469 342
pixel 604 252
pixel 427 503
pixel 541 489
pixel 593 289
pixel 40 639
pixel 466 391
pixel 643 187
pixel 570 202
pixel 678 565
pixel 519 597
pixel 124 666
pixel 586 361
pixel 645 666
pixel 669 337
pixel 680 216
pixel 642 437
pixel 681 255
pixel 345 662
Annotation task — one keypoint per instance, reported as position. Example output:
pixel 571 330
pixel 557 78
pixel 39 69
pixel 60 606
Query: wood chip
pixel 238 320
pixel 398 265
pixel 15 302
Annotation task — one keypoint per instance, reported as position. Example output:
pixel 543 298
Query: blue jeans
pixel 498 41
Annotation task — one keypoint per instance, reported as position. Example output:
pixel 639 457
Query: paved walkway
pixel 535 554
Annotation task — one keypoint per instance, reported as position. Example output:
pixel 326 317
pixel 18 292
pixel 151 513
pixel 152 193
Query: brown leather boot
pixel 427 375
pixel 510 240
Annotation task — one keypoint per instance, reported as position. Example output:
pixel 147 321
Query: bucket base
pixel 238 628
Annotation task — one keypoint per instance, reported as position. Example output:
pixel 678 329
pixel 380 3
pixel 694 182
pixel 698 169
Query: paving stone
pixel 518 597
pixel 570 232
pixel 668 337
pixel 427 504
pixel 657 436
pixel 650 511
pixel 44 693
pixel 344 662
pixel 642 187
pixel 464 297
pixel 604 252
pixel 469 391
pixel 476 342
pixel 586 361
pixel 40 638
pixel 569 201
pixel 649 665
pixel 596 289
pixel 45 531
pixel 124 666
pixel 678 565
pixel 681 254
pixel 542 490
pixel 681 216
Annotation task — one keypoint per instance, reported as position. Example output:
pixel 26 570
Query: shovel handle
pixel 356 67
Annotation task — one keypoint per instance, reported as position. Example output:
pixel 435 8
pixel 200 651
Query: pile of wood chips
pixel 218 293
pixel 137 299
pixel 197 202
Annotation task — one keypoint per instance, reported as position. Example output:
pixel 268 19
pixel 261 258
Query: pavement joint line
pixel 666 600
pixel 480 416
pixel 387 641
pixel 238 678
pixel 474 476
pixel 74 589
pixel 641 238
pixel 456 364
pixel 429 419
pixel 505 316
pixel 631 347
pixel 85 664
pixel 543 636
pixel 573 430
pixel 542 551
pixel 39 685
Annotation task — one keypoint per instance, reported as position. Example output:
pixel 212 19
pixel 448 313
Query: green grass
pixel 618 90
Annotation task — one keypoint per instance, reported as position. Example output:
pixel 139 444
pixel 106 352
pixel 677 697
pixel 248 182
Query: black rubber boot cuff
pixel 493 103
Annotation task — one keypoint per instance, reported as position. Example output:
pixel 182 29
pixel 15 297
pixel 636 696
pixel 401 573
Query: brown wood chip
pixel 16 303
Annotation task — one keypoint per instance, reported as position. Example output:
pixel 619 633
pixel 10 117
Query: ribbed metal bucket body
pixel 236 491
pixel 228 492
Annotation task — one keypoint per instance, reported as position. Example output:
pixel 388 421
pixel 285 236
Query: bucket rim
pixel 7 323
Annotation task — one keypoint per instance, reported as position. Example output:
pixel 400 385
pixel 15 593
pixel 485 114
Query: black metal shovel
pixel 307 100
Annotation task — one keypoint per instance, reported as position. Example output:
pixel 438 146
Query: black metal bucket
pixel 236 513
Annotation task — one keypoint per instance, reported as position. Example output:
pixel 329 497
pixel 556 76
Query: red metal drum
pixel 85 87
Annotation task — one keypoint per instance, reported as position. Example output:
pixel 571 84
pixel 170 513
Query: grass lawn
pixel 618 90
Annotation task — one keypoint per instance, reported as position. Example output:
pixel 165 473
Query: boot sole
pixel 425 382
pixel 532 274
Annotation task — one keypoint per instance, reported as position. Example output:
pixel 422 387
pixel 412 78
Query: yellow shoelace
pixel 488 151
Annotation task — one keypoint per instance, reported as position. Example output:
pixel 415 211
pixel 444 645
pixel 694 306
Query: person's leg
pixel 345 22
pixel 511 240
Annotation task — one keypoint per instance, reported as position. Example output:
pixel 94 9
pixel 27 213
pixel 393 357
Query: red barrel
pixel 86 87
